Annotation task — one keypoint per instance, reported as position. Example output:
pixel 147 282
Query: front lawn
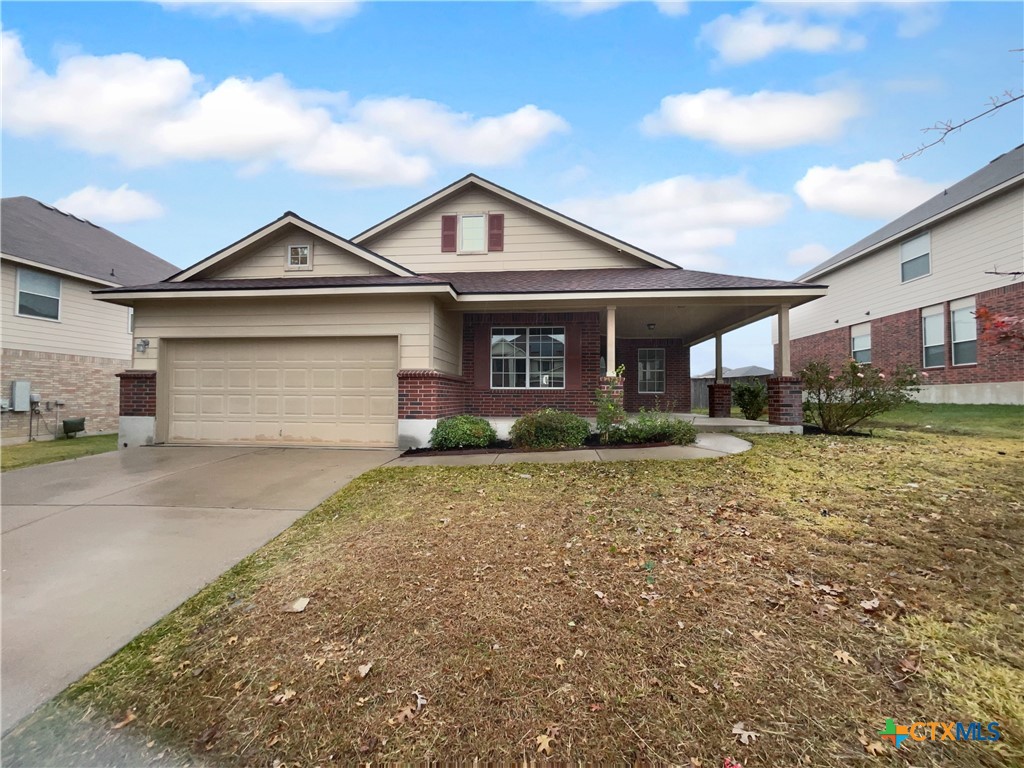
pixel 792 597
pixel 983 420
pixel 47 451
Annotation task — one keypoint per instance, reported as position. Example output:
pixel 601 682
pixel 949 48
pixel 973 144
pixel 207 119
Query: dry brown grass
pixel 728 587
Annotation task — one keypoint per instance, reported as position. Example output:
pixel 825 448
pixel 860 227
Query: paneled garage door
pixel 288 391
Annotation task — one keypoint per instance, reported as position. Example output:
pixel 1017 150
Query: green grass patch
pixel 47 451
pixel 982 420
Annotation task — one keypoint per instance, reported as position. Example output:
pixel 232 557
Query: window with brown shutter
pixel 496 232
pixel 449 233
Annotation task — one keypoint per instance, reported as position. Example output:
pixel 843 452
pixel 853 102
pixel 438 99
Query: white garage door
pixel 288 391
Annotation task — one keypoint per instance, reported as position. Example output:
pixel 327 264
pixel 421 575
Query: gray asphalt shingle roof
pixel 999 171
pixel 40 233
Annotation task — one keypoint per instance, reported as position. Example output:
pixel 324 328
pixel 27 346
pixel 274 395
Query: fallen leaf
pixel 698 688
pixel 579 654
pixel 875 748
pixel 421 700
pixel 560 663
pixel 599 594
pixel 273 687
pixel 695 762
pixel 730 763
pixel 273 740
pixel 844 657
pixel 233 639
pixel 910 665
pixel 149 744
pixel 742 734
pixel 298 606
pixel 129 717
pixel 364 669
pixel 544 744
pixel 757 634
pixel 869 605
pixel 405 714
pixel 596 707
pixel 283 698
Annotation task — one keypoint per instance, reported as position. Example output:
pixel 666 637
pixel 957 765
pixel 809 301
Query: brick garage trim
pixel 138 393
pixel 676 396
pixel 85 384
pixel 426 394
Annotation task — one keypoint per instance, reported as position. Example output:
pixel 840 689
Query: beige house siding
pixel 447 341
pixel 269 260
pixel 963 248
pixel 86 327
pixel 408 319
pixel 531 242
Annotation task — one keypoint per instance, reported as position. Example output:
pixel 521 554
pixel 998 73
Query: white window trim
pixel 59 297
pixel 131 319
pixel 860 331
pixel 904 261
pixel 307 267
pixel 527 328
pixel 458 235
pixel 664 371
pixel 959 306
pixel 939 311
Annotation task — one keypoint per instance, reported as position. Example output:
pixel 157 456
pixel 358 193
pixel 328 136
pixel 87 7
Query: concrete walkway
pixel 97 549
pixel 708 446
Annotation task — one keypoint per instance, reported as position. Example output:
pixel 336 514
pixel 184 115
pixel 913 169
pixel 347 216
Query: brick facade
pixel 720 400
pixel 785 400
pixel 430 394
pixel 897 340
pixel 86 385
pixel 676 396
pixel 138 393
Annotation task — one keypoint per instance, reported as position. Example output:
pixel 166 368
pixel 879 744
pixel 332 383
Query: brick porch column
pixel 720 400
pixel 614 387
pixel 137 422
pixel 785 404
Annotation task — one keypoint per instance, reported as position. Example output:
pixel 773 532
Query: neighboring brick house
pixel 66 345
pixel 907 293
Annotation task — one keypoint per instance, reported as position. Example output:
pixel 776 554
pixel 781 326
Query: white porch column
pixel 782 365
pixel 719 379
pixel 610 332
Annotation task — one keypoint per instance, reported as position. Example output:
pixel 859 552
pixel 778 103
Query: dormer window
pixel 300 257
pixel 472 233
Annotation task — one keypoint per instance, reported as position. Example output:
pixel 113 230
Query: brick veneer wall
pixel 897 339
pixel 785 400
pixel 424 394
pixel 85 384
pixel 138 393
pixel 676 396
pixel 719 400
pixel 582 364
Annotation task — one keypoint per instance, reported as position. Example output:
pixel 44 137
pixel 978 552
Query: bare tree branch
pixel 948 127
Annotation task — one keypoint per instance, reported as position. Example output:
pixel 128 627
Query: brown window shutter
pixel 496 232
pixel 449 233
pixel 482 357
pixel 573 357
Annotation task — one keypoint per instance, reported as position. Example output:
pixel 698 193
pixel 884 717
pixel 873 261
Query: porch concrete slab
pixel 662 453
pixel 548 457
pixel 721 443
pixel 466 460
pixel 23 514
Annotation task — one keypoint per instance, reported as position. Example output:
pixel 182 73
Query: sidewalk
pixel 707 446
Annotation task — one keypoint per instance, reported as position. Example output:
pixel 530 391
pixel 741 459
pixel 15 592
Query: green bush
pixel 652 427
pixel 838 401
pixel 462 432
pixel 550 428
pixel 751 397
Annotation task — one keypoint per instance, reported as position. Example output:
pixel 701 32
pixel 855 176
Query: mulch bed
pixel 505 446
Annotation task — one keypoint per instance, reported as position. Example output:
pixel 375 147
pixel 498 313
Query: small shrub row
pixel 462 432
pixel 550 428
pixel 652 427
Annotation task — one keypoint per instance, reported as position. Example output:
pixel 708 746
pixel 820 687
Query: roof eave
pixel 58 270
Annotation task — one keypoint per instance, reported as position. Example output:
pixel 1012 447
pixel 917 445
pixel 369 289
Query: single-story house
pixel 472 300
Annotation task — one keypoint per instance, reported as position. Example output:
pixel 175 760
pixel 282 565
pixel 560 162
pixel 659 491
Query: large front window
pixel 651 369
pixel 528 358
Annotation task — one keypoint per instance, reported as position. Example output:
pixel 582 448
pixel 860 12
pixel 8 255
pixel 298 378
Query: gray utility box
pixel 20 394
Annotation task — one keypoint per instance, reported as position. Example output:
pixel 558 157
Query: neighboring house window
pixel 300 257
pixel 38 295
pixel 651 367
pixel 860 342
pixel 934 333
pixel 472 233
pixel 527 358
pixel 131 319
pixel 915 257
pixel 964 332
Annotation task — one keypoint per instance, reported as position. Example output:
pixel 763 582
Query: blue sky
pixel 749 139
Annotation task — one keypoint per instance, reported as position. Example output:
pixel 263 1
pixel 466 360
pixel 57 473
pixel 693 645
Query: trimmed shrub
pixel 652 427
pixel 838 401
pixel 751 397
pixel 462 432
pixel 550 428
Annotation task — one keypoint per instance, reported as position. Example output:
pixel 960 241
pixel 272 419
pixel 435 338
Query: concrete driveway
pixel 96 550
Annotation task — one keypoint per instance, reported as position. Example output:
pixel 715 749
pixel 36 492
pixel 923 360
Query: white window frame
pixel 131 319
pixel 289 267
pixel 860 331
pixel 460 247
pixel 908 246
pixel 527 330
pixel 963 305
pixel 59 296
pixel 939 311
pixel 663 371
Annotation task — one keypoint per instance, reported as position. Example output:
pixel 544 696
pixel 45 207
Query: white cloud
pixel 754 34
pixel 875 190
pixel 580 8
pixel 314 15
pixel 151 111
pixel 683 218
pixel 806 255
pixel 760 121
pixel 112 205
